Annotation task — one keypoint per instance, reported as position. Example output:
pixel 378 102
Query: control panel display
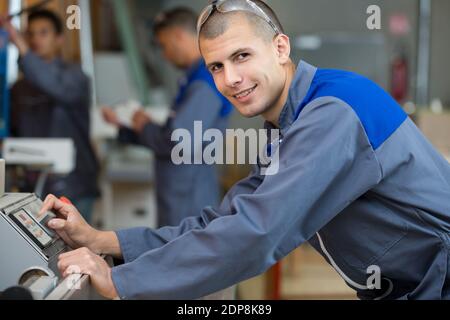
pixel 33 229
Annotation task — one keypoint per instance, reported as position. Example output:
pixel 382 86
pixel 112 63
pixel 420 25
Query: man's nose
pixel 232 77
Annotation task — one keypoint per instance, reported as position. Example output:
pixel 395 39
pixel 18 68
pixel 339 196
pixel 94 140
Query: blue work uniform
pixel 53 101
pixel 356 178
pixel 184 190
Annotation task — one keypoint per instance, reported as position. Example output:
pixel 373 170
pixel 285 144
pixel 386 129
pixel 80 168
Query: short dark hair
pixel 47 15
pixel 176 17
pixel 218 23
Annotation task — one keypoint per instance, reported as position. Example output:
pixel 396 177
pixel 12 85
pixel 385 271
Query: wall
pixel 440 51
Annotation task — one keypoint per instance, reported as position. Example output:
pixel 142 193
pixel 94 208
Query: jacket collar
pixel 298 90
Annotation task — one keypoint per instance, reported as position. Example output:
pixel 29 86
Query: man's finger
pixel 48 204
pixel 70 270
pixel 71 257
pixel 53 203
pixel 71 266
pixel 77 261
pixel 78 252
pixel 62 234
pixel 57 224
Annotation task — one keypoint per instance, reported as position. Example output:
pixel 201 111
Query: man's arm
pixel 127 135
pixel 135 242
pixel 131 243
pixel 326 162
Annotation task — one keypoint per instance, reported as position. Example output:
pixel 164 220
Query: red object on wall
pixel 399 80
pixel 277 282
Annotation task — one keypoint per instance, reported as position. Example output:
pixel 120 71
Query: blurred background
pixel 408 57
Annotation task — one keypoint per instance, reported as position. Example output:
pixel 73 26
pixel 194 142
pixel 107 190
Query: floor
pixel 305 276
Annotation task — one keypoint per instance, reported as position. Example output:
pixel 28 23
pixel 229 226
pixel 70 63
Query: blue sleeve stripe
pixel 378 112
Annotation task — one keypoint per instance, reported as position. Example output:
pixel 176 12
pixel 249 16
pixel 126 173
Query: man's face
pixel 246 69
pixel 43 39
pixel 170 40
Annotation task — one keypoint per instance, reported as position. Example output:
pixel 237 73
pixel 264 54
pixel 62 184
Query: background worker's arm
pixel 14 36
pixel 125 134
pixel 200 103
pixel 259 228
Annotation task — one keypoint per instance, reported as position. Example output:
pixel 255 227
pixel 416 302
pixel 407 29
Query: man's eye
pixel 214 69
pixel 242 56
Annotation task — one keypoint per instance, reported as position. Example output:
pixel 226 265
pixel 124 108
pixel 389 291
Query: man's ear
pixel 283 48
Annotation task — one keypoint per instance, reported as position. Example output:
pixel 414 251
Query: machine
pixel 29 251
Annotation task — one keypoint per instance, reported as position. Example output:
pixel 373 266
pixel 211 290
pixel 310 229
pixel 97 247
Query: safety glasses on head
pixel 224 6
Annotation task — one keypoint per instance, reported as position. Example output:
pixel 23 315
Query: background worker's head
pixel 45 34
pixel 176 34
pixel 248 58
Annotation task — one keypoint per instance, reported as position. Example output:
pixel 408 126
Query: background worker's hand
pixel 69 224
pixel 15 36
pixel 84 261
pixel 110 116
pixel 140 120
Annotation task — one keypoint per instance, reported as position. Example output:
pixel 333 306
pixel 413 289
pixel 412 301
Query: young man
pixel 356 179
pixel 181 190
pixel 52 100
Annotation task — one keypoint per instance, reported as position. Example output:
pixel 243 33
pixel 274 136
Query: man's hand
pixel 15 37
pixel 84 261
pixel 70 225
pixel 76 232
pixel 110 116
pixel 140 120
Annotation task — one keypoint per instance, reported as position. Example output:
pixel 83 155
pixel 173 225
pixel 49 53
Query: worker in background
pixel 52 100
pixel 182 190
pixel 353 176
